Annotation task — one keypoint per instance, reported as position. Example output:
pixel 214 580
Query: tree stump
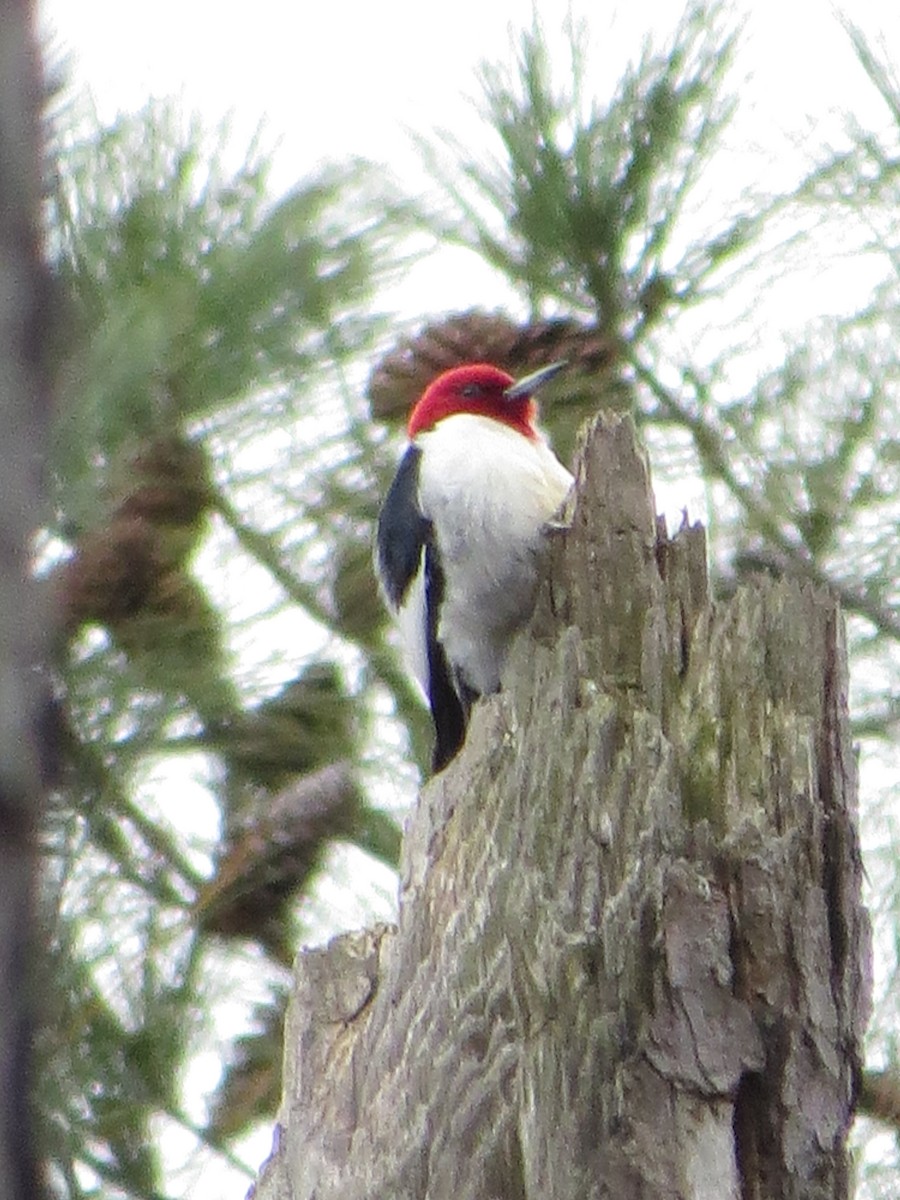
pixel 631 957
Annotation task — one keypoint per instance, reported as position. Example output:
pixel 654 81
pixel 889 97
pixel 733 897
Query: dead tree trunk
pixel 631 958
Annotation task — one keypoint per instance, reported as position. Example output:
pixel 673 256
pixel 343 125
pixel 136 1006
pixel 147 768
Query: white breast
pixel 489 492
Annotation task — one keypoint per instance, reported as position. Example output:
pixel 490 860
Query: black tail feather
pixel 449 704
pixel 450 720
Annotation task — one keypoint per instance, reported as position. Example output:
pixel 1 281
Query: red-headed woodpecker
pixel 460 531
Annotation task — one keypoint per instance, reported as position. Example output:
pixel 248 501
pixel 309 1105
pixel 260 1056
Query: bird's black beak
pixel 531 383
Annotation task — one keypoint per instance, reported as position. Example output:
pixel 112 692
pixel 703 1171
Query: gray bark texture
pixel 23 631
pixel 631 958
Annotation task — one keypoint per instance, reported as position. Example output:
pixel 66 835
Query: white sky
pixel 333 80
pixel 338 79
pixel 353 78
pixel 342 77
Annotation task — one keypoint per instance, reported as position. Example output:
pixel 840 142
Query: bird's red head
pixel 476 388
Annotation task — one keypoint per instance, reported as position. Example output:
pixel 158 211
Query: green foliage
pixel 583 209
pixel 191 287
pixel 208 326
pixel 584 212
pixel 216 478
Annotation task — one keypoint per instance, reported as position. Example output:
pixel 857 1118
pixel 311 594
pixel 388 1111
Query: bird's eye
pixel 471 390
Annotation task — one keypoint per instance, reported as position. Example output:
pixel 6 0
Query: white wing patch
pixel 411 625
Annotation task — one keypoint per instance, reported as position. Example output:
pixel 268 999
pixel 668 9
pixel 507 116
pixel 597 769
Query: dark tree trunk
pixel 631 959
pixel 23 630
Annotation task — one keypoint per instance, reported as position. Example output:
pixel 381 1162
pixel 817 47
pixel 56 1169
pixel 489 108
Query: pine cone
pixel 168 482
pixel 112 574
pixel 399 379
pixel 357 606
pixel 266 862
pixel 135 563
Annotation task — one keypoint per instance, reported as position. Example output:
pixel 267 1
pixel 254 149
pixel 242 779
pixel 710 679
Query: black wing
pixel 403 531
pixel 403 537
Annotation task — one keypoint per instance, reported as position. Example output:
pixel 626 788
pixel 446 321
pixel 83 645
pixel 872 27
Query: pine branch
pixel 108 810
pixel 717 464
pixel 381 661
pixel 264 548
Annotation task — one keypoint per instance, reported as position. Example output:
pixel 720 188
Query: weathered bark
pixel 23 632
pixel 631 958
